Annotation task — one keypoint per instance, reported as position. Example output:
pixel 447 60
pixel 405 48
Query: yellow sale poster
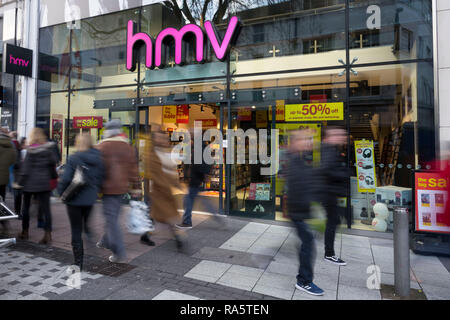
pixel 170 114
pixel 279 112
pixel 314 111
pixel 283 143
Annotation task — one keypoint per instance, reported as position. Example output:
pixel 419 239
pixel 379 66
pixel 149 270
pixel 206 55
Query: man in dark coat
pixel 335 173
pixel 301 190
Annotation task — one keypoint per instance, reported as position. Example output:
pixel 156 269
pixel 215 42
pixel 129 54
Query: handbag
pixel 79 180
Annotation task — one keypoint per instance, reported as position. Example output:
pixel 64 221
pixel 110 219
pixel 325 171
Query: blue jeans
pixel 306 254
pixel 113 239
pixel 189 203
pixel 332 223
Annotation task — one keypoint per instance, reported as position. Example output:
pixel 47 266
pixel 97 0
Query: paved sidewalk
pixel 224 258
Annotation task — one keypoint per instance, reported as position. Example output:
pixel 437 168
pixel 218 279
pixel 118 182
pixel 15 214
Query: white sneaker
pixel 115 259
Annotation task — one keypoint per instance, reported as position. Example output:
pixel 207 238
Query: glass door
pixel 251 184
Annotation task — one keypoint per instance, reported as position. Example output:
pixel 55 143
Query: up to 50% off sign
pixel 315 111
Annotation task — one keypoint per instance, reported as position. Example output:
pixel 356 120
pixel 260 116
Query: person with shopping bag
pixel 121 177
pixel 79 203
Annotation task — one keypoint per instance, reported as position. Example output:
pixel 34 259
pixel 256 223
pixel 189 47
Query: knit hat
pixel 113 128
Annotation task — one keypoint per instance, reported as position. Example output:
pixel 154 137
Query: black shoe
pixel 178 243
pixel 183 226
pixel 41 224
pixel 335 260
pixel 145 239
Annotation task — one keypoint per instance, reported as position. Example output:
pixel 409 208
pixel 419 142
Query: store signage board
pixel 87 122
pixel 431 195
pixel 314 112
pixel 365 166
pixel 154 49
pixel 17 60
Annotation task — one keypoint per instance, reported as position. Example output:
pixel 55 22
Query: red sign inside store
pixel 318 98
pixel 183 113
pixel 87 122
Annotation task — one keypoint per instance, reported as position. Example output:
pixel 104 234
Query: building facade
pixel 375 67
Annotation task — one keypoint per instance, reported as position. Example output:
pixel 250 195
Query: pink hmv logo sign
pixel 17 60
pixel 154 54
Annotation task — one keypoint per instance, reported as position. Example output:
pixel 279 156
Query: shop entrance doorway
pixel 183 117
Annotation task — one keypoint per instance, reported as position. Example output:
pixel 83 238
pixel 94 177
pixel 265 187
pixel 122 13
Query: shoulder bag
pixel 79 181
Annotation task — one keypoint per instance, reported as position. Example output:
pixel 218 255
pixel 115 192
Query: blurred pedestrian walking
pixel 301 190
pixel 121 177
pixel 161 171
pixel 335 173
pixel 80 205
pixel 17 190
pixel 7 159
pixel 36 172
pixel 197 174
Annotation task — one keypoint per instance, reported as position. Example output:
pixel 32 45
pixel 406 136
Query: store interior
pixel 383 109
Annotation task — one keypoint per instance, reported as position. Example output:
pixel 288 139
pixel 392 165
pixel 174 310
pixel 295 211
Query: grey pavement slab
pixel 446 262
pixel 436 293
pixel 277 281
pixel 326 281
pixel 284 293
pixel 238 281
pixel 173 295
pixel 432 279
pixel 356 293
pixel 233 257
pixel 283 268
pixel 98 289
pixel 328 295
pixel 208 270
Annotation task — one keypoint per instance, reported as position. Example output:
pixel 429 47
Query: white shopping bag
pixel 139 221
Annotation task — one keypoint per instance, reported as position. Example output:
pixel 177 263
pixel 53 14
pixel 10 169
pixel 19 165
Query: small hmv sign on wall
pixel 17 60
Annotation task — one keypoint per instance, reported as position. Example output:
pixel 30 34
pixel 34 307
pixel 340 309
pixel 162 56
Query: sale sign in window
pixel 431 197
pixel 170 114
pixel 365 168
pixel 87 122
pixel 314 111
pixel 183 113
